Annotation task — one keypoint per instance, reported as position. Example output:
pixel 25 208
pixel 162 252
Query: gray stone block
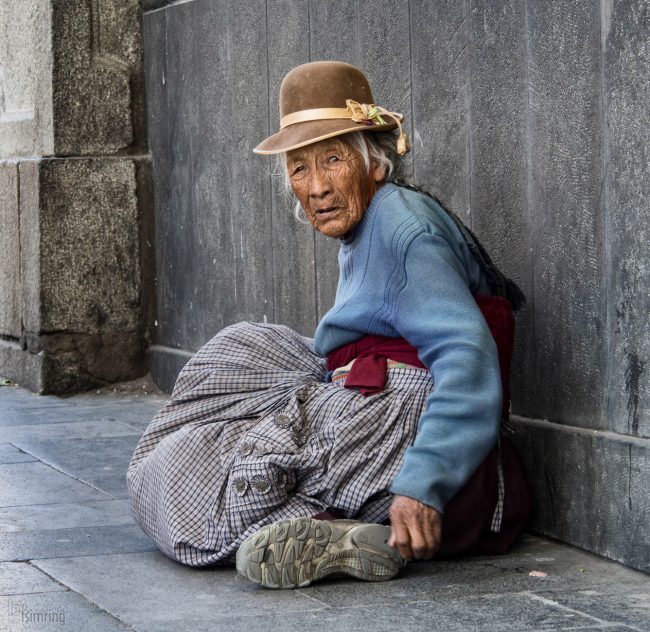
pixel 96 76
pixel 9 251
pixel 90 269
pixel 82 317
pixel 30 245
pixel 26 127
pixel 18 578
pixel 86 541
pixel 22 367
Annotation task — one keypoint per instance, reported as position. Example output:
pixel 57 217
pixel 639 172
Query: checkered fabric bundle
pixel 252 434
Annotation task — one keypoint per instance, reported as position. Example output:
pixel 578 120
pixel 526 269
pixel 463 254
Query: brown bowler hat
pixel 324 99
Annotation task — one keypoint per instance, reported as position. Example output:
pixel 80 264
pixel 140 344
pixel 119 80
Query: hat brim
pixel 308 132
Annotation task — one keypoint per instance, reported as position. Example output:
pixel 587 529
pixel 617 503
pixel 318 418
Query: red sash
pixel 370 353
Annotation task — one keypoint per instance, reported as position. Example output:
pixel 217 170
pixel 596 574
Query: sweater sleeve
pixel 435 312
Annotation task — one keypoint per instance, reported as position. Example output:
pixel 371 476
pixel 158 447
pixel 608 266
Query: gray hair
pixel 378 147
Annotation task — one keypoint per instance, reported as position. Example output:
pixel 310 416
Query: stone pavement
pixel 72 559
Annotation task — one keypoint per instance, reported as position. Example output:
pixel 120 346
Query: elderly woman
pixel 392 411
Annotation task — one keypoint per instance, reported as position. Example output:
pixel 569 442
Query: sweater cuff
pixel 417 489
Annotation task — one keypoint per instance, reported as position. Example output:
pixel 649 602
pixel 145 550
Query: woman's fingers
pixel 437 533
pixel 419 542
pixel 416 528
pixel 400 539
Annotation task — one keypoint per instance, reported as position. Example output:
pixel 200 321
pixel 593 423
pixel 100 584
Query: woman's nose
pixel 319 185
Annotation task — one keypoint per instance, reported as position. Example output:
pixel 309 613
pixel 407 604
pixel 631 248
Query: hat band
pixel 365 113
pixel 316 114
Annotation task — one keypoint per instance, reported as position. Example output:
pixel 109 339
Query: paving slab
pixel 567 568
pixel 99 461
pixel 101 399
pixel 139 413
pixel 38 484
pixel 54 612
pixel 22 400
pixel 148 587
pixel 65 515
pixel 504 613
pixel 67 430
pixel 81 541
pixel 18 578
pixel 629 605
pixel 11 454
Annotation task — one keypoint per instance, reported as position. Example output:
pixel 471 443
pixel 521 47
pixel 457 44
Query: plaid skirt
pixel 253 434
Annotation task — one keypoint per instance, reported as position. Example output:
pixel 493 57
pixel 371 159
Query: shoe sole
pixel 294 553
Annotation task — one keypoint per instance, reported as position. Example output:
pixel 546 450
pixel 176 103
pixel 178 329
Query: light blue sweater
pixel 406 271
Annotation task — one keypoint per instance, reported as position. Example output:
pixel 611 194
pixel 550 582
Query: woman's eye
pixel 332 159
pixel 297 170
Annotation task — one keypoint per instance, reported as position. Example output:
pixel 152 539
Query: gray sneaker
pixel 293 553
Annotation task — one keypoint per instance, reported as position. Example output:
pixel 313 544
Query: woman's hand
pixel 416 528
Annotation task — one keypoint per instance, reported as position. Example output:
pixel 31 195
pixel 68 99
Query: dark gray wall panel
pixel 498 160
pixel 149 5
pixel 589 488
pixel 154 34
pixel 384 55
pixel 215 264
pixel 332 30
pixel 384 52
pixel 566 168
pixel 627 193
pixel 333 35
pixel 440 100
pixel 294 280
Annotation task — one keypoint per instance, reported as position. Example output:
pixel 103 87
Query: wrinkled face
pixel 330 180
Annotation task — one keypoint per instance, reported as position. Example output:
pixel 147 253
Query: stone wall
pixel 528 118
pixel 75 194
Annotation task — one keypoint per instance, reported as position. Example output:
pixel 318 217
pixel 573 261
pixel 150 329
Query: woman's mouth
pixel 328 210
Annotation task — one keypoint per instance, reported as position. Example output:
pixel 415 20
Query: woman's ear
pixel 378 171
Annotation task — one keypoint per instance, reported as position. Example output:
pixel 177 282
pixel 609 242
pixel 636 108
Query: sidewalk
pixel 72 559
